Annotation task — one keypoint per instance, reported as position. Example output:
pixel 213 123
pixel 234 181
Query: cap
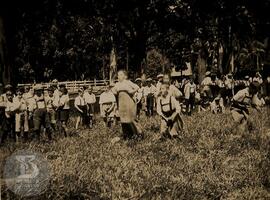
pixel 138 79
pixel 149 79
pixel 55 81
pixel 160 76
pixel 207 73
pixel 8 86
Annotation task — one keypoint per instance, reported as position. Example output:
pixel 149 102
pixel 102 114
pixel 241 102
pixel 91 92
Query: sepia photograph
pixel 135 100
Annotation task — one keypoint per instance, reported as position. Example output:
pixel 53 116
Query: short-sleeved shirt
pixel 189 89
pixel 19 104
pixel 79 101
pixel 64 101
pixel 174 91
pixel 107 97
pixel 89 98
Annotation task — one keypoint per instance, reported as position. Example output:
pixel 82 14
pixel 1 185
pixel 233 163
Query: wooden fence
pixel 73 86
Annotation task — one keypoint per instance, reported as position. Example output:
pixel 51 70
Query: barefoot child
pixel 169 110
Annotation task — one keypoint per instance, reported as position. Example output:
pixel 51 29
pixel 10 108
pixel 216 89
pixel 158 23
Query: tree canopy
pixel 61 39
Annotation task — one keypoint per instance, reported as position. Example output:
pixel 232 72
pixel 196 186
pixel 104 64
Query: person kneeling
pixel 217 106
pixel 169 110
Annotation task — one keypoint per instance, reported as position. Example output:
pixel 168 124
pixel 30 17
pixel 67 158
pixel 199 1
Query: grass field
pixel 212 161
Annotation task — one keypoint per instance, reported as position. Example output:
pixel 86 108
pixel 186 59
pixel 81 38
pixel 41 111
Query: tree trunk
pixel 5 71
pixel 201 67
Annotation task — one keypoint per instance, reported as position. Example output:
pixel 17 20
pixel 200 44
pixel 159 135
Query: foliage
pixel 75 38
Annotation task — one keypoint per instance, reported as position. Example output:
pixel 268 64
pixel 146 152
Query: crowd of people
pixel 29 111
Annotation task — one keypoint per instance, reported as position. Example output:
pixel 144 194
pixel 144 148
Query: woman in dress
pixel 124 91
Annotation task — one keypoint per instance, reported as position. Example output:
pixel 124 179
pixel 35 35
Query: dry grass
pixel 211 161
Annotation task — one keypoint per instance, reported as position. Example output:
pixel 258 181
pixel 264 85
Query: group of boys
pixel 28 110
pixel 211 94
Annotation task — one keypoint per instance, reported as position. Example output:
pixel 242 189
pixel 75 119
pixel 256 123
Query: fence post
pixel 95 82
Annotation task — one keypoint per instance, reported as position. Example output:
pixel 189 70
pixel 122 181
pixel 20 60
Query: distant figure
pixel 125 90
pixel 107 102
pixel 217 105
pixel 51 108
pixel 90 99
pixel 21 115
pixel 241 103
pixel 2 118
pixel 139 97
pixel 81 109
pixel 159 83
pixel 169 110
pixel 56 92
pixel 7 88
pixel 258 78
pixel 63 110
pixel 9 119
pixel 40 113
pixel 149 95
pixel 189 92
pixel 206 85
pixel 204 102
pixel 229 85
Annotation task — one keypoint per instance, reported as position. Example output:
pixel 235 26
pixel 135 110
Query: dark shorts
pixel 84 113
pixel 63 115
pixel 39 118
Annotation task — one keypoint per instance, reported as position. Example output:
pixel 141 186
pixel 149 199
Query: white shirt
pixel 89 98
pixel 207 81
pixel 107 97
pixel 64 101
pixel 174 91
pixel 19 104
pixel 189 89
pixel 79 101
